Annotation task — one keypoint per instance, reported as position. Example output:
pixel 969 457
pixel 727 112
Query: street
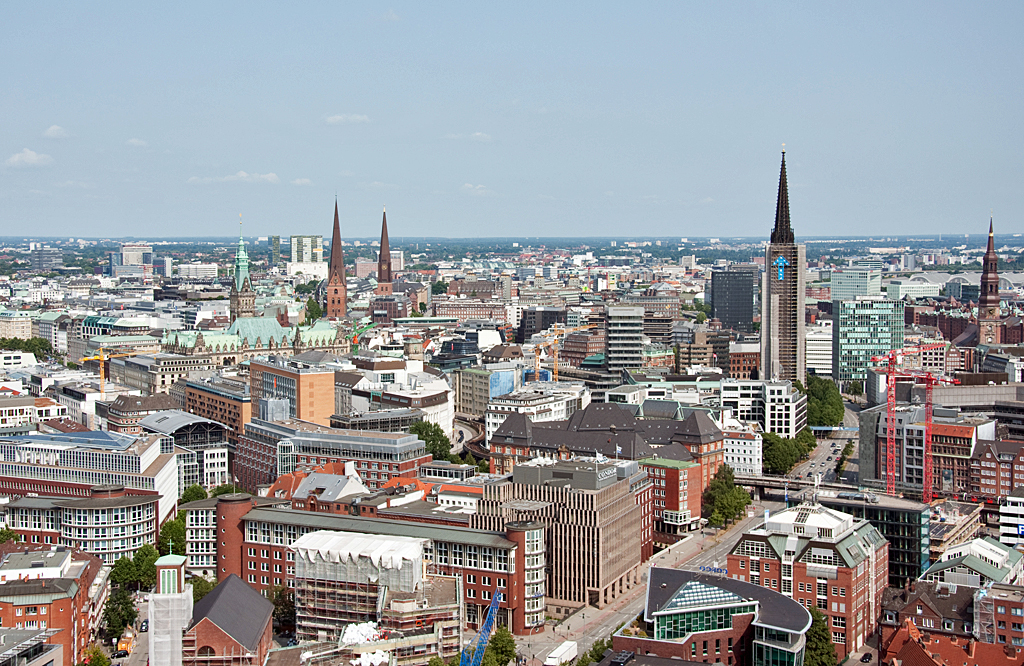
pixel 823 459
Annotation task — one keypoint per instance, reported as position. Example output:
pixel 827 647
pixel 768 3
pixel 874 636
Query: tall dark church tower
pixel 990 316
pixel 336 300
pixel 783 355
pixel 384 260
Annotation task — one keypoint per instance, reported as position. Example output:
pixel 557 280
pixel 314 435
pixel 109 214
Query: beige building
pixel 156 373
pixel 15 324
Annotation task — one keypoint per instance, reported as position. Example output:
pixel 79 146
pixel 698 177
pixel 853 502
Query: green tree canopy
pixel 502 645
pixel 7 534
pixel 95 656
pixel 145 566
pixel 439 287
pixel 437 443
pixel 172 538
pixel 41 347
pixel 723 499
pixel 855 388
pixel 284 605
pixel 824 402
pixel 435 661
pixel 119 612
pixel 124 572
pixel 819 650
pixel 313 311
pixel 193 493
pixel 201 587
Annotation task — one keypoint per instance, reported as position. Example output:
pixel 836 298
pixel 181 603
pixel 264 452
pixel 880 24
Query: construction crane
pixel 357 333
pixel 474 653
pixel 553 344
pixel 102 356
pixel 891 361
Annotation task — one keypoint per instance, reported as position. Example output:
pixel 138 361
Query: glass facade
pixel 680 625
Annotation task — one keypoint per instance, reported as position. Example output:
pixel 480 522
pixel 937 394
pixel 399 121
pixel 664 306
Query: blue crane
pixel 474 653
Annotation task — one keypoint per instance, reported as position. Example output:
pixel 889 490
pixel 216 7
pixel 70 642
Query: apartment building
pixel 221 399
pixel 819 557
pixel 776 406
pixel 676 497
pixel 308 388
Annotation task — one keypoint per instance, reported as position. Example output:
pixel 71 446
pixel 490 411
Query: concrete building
pixel 819 557
pixel 624 331
pixel 476 387
pixel 156 373
pixel 863 328
pixel 207 439
pixel 308 388
pixel 386 382
pixel 605 505
pixel 743 445
pixel 197 271
pixel 734 296
pixel 1011 518
pixel 776 406
pixel 45 258
pixel 782 297
pixel 15 324
pixel 899 290
pixel 307 248
pixel 818 343
pixel 849 283
pixel 123 414
pixel 693 618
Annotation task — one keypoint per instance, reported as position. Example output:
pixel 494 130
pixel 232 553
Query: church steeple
pixel 384 259
pixel 241 260
pixel 989 275
pixel 336 299
pixel 782 234
pixel 242 299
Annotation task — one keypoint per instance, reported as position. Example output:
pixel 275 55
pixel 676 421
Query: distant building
pixel 624 329
pixel 307 248
pixel 818 342
pixel 849 283
pixel 200 271
pixel 45 258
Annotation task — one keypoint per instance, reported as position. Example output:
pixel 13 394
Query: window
pixel 839 638
pixel 471 594
pixel 743 564
pixel 999 609
pixel 838 621
pixel 823 592
pixel 1019 612
pixel 471 578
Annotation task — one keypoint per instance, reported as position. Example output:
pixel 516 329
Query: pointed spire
pixel 337 263
pixel 989 274
pixel 782 234
pixel 241 259
pixel 384 260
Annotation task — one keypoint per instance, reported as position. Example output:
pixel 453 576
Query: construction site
pixel 363 598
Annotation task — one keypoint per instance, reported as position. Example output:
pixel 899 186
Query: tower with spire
pixel 242 298
pixel 990 316
pixel 336 299
pixel 783 355
pixel 384 287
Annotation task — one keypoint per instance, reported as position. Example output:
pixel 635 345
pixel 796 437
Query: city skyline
pixel 468 120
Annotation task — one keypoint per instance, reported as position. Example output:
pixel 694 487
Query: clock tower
pixel 990 315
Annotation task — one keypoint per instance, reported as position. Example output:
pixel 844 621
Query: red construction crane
pixel 892 360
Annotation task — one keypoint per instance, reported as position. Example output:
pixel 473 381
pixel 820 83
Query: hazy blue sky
pixel 490 119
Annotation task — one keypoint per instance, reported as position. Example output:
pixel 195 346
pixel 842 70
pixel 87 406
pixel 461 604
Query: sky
pixel 510 119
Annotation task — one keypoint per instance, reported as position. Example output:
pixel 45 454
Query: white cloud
pixel 302 181
pixel 391 15
pixel 28 158
pixel 138 143
pixel 240 177
pixel 475 136
pixel 347 118
pixel 56 132
pixel 477 190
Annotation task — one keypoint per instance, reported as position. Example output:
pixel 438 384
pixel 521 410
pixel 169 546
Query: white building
pixel 396 383
pixel 977 563
pixel 197 270
pixel 541 401
pixel 170 611
pixel 1011 518
pixel 818 343
pixel 897 290
pixel 14 360
pixel 777 406
pixel 15 324
pixel 743 446
pixel 308 269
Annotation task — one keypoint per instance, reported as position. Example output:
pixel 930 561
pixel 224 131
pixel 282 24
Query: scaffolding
pixel 169 616
pixel 984 616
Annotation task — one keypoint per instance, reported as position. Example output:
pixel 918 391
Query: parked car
pixel 144 626
pixel 120 654
pixel 866 659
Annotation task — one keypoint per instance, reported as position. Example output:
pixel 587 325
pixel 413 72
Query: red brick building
pixel 231 626
pixel 820 557
pixel 676 490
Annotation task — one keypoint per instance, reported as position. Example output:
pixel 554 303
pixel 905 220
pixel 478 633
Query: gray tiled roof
pixel 240 611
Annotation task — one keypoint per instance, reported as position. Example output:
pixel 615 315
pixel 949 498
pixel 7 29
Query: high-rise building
pixel 242 298
pixel 990 318
pixel 307 248
pixel 336 299
pixel 863 328
pixel 733 295
pixel 624 332
pixel 849 283
pixel 818 343
pixel 782 297
pixel 46 258
pixel 275 250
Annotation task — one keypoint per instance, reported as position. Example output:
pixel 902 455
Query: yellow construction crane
pixel 102 356
pixel 553 344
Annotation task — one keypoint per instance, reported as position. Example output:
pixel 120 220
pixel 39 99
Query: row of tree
pixel 41 347
pixel 779 454
pixel 824 402
pixel 723 500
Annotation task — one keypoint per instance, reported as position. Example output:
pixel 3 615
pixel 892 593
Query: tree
pixel 225 489
pixel 95 656
pixel 145 564
pixel 172 538
pixel 124 572
pixel 7 534
pixel 855 388
pixel 284 605
pixel 824 402
pixel 313 311
pixel 422 307
pixel 819 650
pixel 502 645
pixel 439 287
pixel 201 587
pixel 119 612
pixel 435 661
pixel 723 499
pixel 193 493
pixel 437 443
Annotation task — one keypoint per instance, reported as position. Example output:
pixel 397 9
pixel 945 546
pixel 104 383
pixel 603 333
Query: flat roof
pixel 381 526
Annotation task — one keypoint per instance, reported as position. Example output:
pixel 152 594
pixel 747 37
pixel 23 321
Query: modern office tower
pixel 336 300
pixel 242 297
pixel 733 293
pixel 275 250
pixel 46 258
pixel 818 345
pixel 165 266
pixel 136 254
pixel 624 346
pixel 782 297
pixel 307 248
pixel 849 283
pixel 863 328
